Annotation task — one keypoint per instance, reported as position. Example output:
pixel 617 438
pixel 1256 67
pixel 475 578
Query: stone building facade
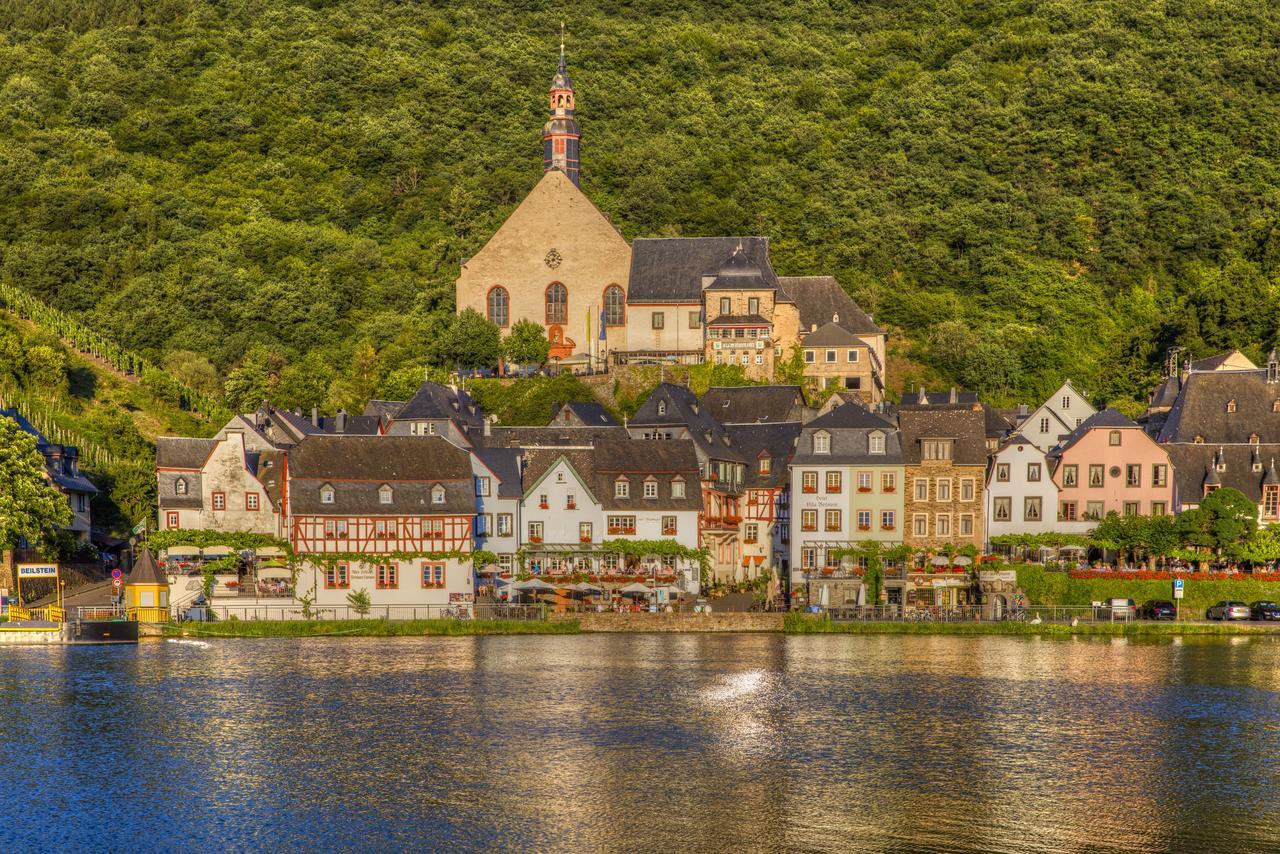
pixel 945 457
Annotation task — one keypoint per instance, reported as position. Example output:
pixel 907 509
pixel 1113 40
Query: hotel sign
pixel 37 570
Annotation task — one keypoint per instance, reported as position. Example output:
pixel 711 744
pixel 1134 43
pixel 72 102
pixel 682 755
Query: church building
pixel 557 260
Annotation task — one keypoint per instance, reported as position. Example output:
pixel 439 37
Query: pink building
pixel 1109 464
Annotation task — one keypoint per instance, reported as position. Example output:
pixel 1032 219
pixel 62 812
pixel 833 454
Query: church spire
pixel 560 135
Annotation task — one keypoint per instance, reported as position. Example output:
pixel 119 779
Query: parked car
pixel 1123 609
pixel 1157 609
pixel 1226 610
pixel 1264 611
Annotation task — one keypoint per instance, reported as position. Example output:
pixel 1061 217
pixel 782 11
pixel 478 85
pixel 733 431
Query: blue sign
pixel 115 573
pixel 1177 584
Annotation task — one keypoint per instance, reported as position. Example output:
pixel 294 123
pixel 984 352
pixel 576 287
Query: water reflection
pixel 647 742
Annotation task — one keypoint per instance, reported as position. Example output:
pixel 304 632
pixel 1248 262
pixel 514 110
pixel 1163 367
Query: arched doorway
pixel 999 606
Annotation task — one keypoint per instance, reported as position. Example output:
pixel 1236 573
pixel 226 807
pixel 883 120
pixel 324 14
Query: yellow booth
pixel 146 591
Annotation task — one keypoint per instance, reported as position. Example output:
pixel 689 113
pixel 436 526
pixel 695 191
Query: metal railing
pixel 941 614
pixel 460 611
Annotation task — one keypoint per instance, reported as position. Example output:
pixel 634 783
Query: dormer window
pixel 875 443
pixel 1199 440
pixel 822 443
pixel 766 464
pixel 1253 438
pixel 437 494
pixel 180 486
pixel 622 488
pixel 677 488
pixel 384 494
pixel 326 494
pixel 662 407
pixel 1231 405
pixel 1275 405
pixel 650 487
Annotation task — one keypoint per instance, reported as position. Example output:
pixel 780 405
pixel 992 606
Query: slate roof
pixel 175 453
pixel 1193 466
pixel 739 320
pixel 382 408
pixel 505 465
pixel 850 426
pixel 553 436
pixel 966 425
pixel 25 425
pixel 820 299
pixel 754 404
pixel 356 466
pixel 433 401
pixel 778 439
pixel 738 273
pixel 670 269
pixel 270 474
pixel 633 459
pixel 1201 409
pixel 831 335
pixel 591 414
pixel 924 397
pixel 684 410
pixel 1109 418
pixel 1213 363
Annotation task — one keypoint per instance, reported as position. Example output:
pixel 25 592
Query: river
pixel 644 742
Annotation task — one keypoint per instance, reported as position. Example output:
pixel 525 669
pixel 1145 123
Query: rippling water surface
pixel 644 742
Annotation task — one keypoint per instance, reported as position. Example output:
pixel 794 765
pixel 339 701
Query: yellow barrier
pixel 18 614
pixel 148 615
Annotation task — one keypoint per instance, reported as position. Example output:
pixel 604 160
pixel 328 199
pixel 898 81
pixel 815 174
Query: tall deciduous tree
pixel 527 344
pixel 31 508
pixel 471 342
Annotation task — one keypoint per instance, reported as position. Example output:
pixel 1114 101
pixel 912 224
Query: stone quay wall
pixel 713 622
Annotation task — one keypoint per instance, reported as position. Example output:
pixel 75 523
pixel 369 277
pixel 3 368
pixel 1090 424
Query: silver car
pixel 1228 611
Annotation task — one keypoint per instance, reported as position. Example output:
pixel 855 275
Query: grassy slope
pixel 370 628
pixel 1057 588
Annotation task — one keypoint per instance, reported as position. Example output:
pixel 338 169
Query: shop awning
pixel 175 552
pixel 216 551
pixel 271 572
pixel 269 551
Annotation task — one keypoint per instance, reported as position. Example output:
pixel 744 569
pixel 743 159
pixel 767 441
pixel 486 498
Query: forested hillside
pixel 1026 190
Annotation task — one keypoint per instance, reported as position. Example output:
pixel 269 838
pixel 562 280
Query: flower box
pixel 732 520
pixel 570 506
pixel 544 505
pixel 864 527
pixel 864 489
pixel 584 539
pixel 889 489
pixel 809 490
pixel 535 539
pixel 888 527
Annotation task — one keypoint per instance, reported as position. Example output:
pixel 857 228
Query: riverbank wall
pixel 808 624
pixel 643 622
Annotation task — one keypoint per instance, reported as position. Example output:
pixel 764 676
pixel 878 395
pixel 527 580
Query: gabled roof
pixel 1231 360
pixel 965 425
pixel 382 408
pixel 590 414
pixel 820 300
pixel 754 404
pixel 1201 409
pixel 776 441
pixel 176 453
pixel 433 401
pixel 505 465
pixel 852 415
pixel 634 459
pixel 831 335
pixel 1108 419
pixel 684 410
pixel 25 425
pixel 671 269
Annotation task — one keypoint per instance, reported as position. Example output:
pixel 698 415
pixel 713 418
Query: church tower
pixel 560 134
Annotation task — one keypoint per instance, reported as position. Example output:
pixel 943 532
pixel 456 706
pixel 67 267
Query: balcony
pixel 732 521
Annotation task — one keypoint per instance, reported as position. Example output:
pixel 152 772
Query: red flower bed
pixel 1165 575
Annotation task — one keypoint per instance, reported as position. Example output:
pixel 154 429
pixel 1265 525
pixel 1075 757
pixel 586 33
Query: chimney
pixel 922 398
pixel 488 426
pixel 1022 410
pixel 315 416
pixel 955 396
pixel 342 421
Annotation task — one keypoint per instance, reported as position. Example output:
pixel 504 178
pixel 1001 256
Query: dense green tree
pixel 1233 519
pixel 471 342
pixel 526 344
pixel 31 508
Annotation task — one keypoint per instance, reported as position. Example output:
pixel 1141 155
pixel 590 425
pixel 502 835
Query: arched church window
pixel 557 303
pixel 615 306
pixel 498 305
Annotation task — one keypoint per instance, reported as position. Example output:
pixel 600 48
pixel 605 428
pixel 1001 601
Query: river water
pixel 644 743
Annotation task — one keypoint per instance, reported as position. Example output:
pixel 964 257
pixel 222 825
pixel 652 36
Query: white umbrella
pixel 940 560
pixel 216 551
pixel 824 597
pixel 635 588
pixel 963 561
pixel 862 595
pixel 274 572
pixel 174 552
pixel 269 551
pixel 584 587
pixel 534 585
